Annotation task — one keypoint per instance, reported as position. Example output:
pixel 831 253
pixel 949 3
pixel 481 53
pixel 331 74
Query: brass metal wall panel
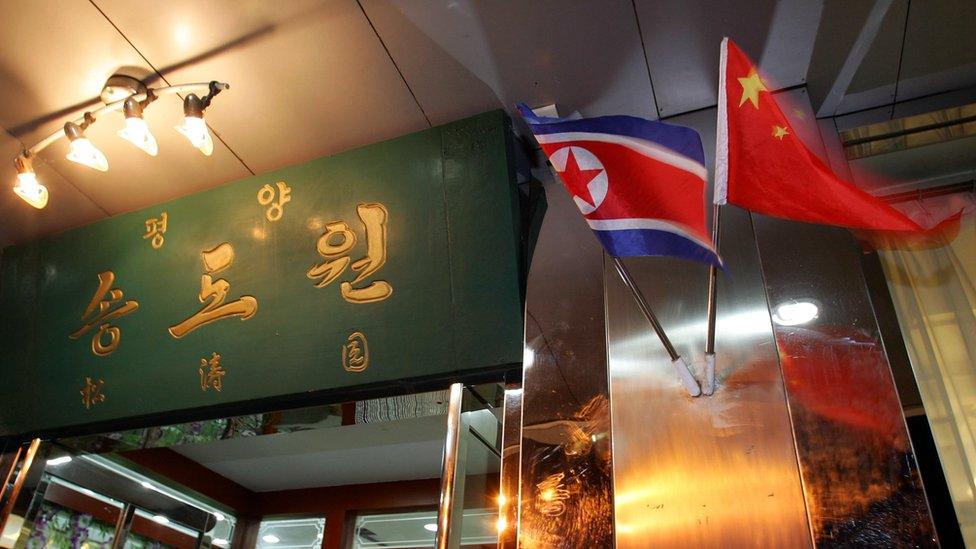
pixel 862 484
pixel 716 471
pixel 508 492
pixel 566 495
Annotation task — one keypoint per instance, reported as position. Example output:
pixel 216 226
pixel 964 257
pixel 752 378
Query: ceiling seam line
pixel 163 78
pixel 77 188
pixel 647 63
pixel 901 57
pixel 392 60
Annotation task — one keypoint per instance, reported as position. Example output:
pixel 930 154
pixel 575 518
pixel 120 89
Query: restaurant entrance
pixel 352 475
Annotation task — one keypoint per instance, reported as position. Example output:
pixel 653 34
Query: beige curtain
pixel 935 297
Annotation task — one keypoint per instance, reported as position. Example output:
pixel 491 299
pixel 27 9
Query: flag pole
pixel 679 363
pixel 708 387
pixel 719 197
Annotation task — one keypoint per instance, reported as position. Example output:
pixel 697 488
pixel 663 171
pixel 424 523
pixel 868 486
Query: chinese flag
pixel 761 164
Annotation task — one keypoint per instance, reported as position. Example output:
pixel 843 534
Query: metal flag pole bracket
pixel 708 387
pixel 691 385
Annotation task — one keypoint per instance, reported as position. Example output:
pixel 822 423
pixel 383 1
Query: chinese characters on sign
pixel 155 229
pixel 355 353
pixel 211 373
pixel 91 393
pixel 99 313
pixel 214 261
pixel 335 244
pixel 266 196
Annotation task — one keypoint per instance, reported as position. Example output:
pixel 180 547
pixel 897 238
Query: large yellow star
pixel 779 132
pixel 751 86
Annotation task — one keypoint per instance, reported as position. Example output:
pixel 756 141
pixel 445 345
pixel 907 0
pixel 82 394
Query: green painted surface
pixel 452 262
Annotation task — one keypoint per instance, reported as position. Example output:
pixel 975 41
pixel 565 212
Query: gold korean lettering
pixel 336 242
pixel 266 196
pixel 211 373
pixel 355 353
pixel 155 229
pixel 91 393
pixel 99 313
pixel 214 292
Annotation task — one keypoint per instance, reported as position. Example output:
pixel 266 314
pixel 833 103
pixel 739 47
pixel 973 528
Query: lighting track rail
pixel 137 98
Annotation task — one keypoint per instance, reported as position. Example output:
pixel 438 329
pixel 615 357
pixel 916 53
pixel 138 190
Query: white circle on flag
pixel 585 160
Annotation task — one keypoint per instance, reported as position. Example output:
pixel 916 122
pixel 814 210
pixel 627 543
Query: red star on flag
pixel 578 180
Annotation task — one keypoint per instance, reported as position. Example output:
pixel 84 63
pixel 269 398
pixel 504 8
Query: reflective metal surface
pixel 508 492
pixel 449 470
pixel 566 495
pixel 862 484
pixel 712 471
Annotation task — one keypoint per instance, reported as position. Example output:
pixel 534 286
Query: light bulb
pixel 30 190
pixel 794 313
pixel 82 150
pixel 136 131
pixel 195 129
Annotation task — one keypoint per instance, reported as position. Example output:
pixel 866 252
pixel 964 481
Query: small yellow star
pixel 751 86
pixel 779 132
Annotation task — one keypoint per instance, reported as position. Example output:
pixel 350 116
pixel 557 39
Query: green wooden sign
pixel 392 262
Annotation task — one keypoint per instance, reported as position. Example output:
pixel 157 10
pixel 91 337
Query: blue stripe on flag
pixel 639 242
pixel 682 140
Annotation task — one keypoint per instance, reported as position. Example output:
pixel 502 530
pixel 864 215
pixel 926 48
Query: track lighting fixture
pixel 194 127
pixel 81 149
pixel 130 96
pixel 136 131
pixel 27 186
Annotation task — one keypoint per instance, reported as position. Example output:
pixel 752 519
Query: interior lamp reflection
pixel 270 538
pixel 194 127
pixel 794 313
pixel 430 527
pixel 59 460
pixel 82 151
pixel 136 131
pixel 28 187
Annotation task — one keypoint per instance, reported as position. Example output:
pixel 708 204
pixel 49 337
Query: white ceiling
pixel 314 77
pixel 406 449
pixel 355 454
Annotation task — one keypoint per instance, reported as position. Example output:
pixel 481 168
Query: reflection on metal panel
pixel 716 471
pixel 862 485
pixel 508 492
pixel 566 495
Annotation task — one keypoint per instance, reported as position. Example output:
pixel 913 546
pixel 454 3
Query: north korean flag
pixel 639 184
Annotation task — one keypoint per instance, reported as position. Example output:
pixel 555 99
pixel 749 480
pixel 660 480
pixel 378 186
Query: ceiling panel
pixel 307 78
pixel 874 81
pixel 940 48
pixel 682 39
pixel 464 56
pixel 350 454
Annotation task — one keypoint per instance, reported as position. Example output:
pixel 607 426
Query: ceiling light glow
pixel 270 538
pixel 794 313
pixel 220 517
pixel 194 127
pixel 28 187
pixel 136 131
pixel 59 460
pixel 130 95
pixel 430 527
pixel 160 519
pixel 82 151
